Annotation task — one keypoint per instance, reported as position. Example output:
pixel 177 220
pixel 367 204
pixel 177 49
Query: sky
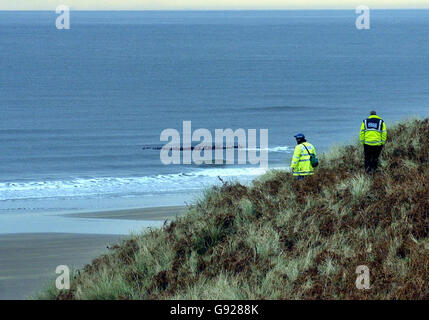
pixel 207 4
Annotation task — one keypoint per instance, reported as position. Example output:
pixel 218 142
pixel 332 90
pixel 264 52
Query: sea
pixel 82 109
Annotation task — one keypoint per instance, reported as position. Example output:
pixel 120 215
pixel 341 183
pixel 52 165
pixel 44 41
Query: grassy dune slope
pixel 283 239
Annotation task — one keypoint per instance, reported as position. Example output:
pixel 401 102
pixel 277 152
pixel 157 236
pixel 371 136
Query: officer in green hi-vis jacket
pixel 301 164
pixel 373 135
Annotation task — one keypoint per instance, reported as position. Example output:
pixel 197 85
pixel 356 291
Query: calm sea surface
pixel 82 110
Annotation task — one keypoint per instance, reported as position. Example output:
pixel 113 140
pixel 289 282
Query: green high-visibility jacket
pixel 373 131
pixel 301 164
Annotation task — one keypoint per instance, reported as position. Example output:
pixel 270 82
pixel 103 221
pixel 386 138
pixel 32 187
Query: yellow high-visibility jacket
pixel 301 164
pixel 373 131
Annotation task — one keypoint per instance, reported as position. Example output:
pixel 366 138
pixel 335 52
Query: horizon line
pixel 229 9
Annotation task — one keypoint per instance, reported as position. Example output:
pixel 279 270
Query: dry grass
pixel 283 239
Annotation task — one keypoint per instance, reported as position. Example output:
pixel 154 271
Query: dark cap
pixel 373 113
pixel 299 136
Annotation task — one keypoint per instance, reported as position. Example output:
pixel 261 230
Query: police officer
pixel 373 135
pixel 301 165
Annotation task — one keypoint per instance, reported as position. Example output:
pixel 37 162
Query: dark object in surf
pixel 197 147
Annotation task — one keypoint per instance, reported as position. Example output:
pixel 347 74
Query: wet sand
pixel 150 214
pixel 28 261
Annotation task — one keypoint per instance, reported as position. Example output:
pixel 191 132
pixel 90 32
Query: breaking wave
pixel 102 187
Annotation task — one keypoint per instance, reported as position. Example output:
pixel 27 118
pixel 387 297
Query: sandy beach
pixel 28 260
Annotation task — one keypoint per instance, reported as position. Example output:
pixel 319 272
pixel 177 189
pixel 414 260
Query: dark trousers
pixel 372 153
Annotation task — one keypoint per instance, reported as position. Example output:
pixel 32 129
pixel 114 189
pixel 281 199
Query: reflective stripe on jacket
pixel 301 164
pixel 373 131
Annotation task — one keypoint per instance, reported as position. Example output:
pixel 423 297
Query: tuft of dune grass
pixel 284 239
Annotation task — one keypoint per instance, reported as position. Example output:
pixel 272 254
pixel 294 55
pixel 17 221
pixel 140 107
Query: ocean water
pixel 82 110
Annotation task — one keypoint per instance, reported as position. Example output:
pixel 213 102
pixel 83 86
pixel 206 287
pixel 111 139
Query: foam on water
pixel 101 187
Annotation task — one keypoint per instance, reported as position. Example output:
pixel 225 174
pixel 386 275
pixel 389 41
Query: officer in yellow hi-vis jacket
pixel 301 165
pixel 373 135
